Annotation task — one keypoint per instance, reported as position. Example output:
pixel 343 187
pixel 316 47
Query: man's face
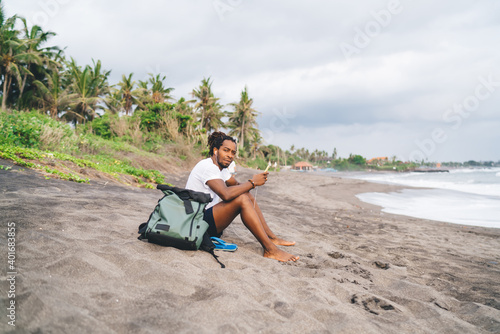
pixel 226 153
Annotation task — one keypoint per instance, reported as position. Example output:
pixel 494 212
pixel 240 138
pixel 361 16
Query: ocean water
pixel 462 196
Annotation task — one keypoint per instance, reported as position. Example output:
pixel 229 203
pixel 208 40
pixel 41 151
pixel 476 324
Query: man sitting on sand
pixel 211 176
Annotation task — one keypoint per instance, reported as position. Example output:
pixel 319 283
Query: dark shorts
pixel 208 216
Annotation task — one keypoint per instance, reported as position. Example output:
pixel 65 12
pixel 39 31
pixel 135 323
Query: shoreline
pixel 438 199
pixel 81 267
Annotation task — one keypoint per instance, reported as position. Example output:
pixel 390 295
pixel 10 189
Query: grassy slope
pixel 36 141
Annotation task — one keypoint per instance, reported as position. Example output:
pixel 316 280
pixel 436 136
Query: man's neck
pixel 214 160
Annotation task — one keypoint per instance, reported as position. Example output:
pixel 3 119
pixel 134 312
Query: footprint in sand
pixel 381 265
pixel 372 304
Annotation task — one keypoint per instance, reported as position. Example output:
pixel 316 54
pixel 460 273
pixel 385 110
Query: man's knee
pixel 244 199
pixel 249 195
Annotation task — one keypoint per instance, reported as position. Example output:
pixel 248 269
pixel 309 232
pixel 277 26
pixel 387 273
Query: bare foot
pixel 281 242
pixel 278 254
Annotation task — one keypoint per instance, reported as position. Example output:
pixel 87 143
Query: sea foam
pixel 462 196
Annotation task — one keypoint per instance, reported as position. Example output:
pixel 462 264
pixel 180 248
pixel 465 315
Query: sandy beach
pixel 81 269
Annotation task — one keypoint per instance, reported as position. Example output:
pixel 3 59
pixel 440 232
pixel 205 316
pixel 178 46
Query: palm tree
pixel 53 96
pixel 208 107
pixel 129 95
pixel 159 93
pixel 213 117
pixel 89 85
pixel 255 142
pixel 205 97
pixel 35 55
pixel 185 107
pixel 242 121
pixel 23 60
pixel 143 96
pixel 11 53
pixel 113 101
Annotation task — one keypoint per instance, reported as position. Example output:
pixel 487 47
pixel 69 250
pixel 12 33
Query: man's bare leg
pixel 270 234
pixel 225 212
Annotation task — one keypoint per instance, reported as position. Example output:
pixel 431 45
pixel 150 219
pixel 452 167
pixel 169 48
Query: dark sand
pixel 81 269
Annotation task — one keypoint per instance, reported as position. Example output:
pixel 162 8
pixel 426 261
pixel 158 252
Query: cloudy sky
pixel 412 79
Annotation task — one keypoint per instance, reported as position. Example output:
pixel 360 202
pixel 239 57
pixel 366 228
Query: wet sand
pixel 81 269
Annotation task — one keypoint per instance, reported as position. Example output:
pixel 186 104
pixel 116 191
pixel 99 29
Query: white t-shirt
pixel 204 171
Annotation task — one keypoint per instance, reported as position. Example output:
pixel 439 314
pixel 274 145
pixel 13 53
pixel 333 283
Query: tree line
pixel 36 76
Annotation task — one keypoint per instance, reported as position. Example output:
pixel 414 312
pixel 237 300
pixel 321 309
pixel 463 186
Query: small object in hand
pixel 268 165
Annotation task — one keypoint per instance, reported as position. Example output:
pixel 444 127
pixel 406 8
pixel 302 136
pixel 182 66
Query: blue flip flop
pixel 222 245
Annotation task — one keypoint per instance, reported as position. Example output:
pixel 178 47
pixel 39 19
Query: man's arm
pixel 231 189
pixel 232 182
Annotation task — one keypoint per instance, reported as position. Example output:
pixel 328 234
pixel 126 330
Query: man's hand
pixel 260 179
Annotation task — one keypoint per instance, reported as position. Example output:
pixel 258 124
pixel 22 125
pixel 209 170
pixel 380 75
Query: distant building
pixel 302 165
pixel 378 161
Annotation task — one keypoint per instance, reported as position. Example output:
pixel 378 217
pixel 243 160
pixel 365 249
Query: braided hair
pixel 216 139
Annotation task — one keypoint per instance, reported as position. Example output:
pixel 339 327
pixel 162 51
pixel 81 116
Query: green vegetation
pixel 21 155
pixel 37 141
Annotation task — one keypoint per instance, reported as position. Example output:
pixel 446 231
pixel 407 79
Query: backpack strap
pixel 142 230
pixel 187 203
pixel 191 194
pixel 208 246
pixel 222 265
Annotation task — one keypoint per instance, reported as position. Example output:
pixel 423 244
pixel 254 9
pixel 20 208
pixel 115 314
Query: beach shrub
pixel 153 142
pixel 100 126
pixel 152 117
pixel 341 164
pixel 34 130
pixel 162 118
pixel 357 160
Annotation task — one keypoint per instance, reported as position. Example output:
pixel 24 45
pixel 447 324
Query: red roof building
pixel 302 165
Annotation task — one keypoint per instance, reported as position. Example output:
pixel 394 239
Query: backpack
pixel 177 221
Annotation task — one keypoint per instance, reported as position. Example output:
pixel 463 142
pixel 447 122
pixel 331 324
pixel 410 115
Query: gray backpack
pixel 177 221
